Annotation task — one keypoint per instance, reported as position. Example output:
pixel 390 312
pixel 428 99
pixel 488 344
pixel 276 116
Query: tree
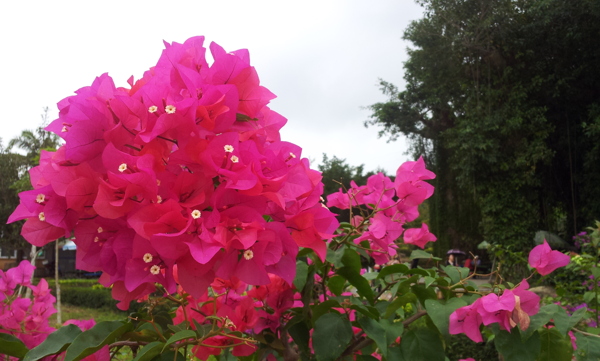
pixel 502 98
pixel 12 166
pixel 34 141
pixel 338 174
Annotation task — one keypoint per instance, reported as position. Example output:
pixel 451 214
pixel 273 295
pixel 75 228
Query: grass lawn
pixel 83 313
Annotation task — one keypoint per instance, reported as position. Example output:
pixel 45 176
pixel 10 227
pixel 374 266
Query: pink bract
pixel 545 260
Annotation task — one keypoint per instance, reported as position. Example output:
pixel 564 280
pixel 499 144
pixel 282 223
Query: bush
pixel 87 296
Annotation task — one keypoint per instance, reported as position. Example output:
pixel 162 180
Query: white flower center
pixel 234 159
pixel 170 109
pixel 228 148
pixel 196 214
pixel 147 258
pixel 42 216
pixel 152 109
pixel 122 167
pixel 248 254
pixel 155 269
pixel 40 198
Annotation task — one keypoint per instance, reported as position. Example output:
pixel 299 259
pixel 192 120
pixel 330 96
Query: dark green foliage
pixel 502 98
pixel 12 166
pixel 338 174
pixel 87 297
pixel 461 347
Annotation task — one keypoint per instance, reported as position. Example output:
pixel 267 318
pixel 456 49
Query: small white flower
pixel 100 229
pixel 64 129
pixel 42 216
pixel 170 109
pixel 228 148
pixel 292 155
pixel 40 198
pixel 122 167
pixel 96 239
pixel 196 214
pixel 152 109
pixel 248 254
pixel 158 199
pixel 155 269
pixel 234 159
pixel 147 258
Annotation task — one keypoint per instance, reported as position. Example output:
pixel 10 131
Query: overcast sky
pixel 321 58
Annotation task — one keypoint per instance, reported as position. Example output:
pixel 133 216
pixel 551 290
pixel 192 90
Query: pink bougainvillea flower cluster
pixel 545 260
pixel 28 318
pixel 509 309
pixel 393 204
pixel 24 318
pixel 512 307
pixel 184 170
pixel 241 308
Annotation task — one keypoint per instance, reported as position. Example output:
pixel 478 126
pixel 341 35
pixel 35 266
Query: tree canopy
pixel 502 98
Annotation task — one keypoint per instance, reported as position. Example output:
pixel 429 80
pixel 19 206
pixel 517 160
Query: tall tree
pixel 12 166
pixel 502 98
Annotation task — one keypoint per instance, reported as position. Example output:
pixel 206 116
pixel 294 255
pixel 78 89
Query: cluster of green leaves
pixel 502 98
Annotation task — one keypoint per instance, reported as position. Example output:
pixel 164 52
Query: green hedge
pixel 87 296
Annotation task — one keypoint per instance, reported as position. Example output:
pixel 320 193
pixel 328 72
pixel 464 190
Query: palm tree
pixel 34 141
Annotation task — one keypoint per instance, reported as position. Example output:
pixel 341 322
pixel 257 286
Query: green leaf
pixel 439 312
pixel 323 308
pixel 149 351
pixel 418 271
pixel 336 284
pixel 588 347
pixel 376 332
pixel 331 336
pixel 456 273
pixel 564 322
pixel 56 342
pixel 422 254
pixel 395 268
pixel 588 297
pixel 422 344
pixel 362 285
pixel 12 346
pixel 555 347
pixel 181 335
pixel 536 321
pixel 424 293
pixel 366 310
pixel 352 259
pixel 95 338
pixel 170 356
pixel 510 345
pixel 301 275
pixel 244 118
pixel 301 335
